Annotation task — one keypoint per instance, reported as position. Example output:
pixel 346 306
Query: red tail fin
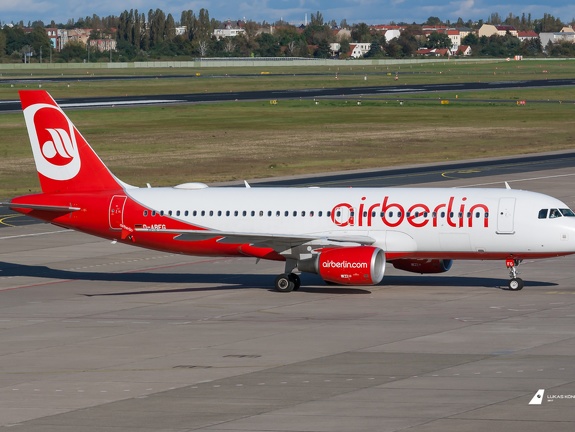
pixel 64 159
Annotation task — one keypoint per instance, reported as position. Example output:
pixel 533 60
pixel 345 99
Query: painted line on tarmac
pixel 128 102
pixel 522 180
pixel 34 234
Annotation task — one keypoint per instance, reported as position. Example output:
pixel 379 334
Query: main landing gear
pixel 515 283
pixel 288 281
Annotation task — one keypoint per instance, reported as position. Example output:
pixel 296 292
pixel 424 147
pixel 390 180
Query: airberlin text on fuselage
pixel 393 214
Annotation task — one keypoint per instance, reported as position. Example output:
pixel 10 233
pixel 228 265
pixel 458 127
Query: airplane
pixel 345 235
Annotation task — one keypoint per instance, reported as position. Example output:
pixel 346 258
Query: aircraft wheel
pixel 284 283
pixel 516 284
pixel 296 281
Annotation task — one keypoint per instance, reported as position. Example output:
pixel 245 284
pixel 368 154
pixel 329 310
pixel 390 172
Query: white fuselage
pixel 425 221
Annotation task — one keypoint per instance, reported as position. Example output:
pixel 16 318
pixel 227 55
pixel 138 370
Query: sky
pixel 293 11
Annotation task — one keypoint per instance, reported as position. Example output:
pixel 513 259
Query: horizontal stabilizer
pixel 44 207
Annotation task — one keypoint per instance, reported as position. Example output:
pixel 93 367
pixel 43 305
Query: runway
pixel 102 337
pixel 393 91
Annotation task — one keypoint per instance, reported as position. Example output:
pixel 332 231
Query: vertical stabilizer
pixel 64 160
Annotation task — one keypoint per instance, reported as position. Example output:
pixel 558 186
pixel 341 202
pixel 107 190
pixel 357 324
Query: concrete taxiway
pixel 97 336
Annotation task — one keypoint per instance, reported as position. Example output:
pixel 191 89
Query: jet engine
pixel 423 265
pixel 357 265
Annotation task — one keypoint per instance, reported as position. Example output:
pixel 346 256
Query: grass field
pixel 246 140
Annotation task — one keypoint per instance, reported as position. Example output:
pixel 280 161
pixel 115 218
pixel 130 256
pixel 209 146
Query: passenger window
pixel 543 213
pixel 145 212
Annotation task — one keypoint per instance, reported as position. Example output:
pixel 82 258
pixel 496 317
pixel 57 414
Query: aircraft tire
pixel 516 284
pixel 296 281
pixel 284 283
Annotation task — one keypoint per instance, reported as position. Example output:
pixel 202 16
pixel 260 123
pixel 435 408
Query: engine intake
pixel 357 265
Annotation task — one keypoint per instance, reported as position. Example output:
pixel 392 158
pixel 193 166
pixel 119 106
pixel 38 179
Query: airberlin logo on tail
pixel 53 142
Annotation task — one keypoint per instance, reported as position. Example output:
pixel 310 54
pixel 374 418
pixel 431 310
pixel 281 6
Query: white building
pixel 556 38
pixel 358 50
pixel 228 32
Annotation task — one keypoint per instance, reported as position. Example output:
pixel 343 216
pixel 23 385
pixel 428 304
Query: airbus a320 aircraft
pixel 345 235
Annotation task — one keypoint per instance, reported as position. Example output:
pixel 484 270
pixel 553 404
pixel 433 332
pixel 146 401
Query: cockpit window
pixel 567 212
pixel 554 213
pixel 543 213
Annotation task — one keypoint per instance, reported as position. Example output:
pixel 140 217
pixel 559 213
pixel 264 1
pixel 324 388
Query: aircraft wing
pixel 276 241
pixel 44 207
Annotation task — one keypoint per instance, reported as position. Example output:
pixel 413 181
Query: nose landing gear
pixel 515 283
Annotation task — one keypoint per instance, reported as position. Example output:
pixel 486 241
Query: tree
pixel 156 23
pixel 203 46
pixel 170 28
pixel 433 21
pixel 323 50
pixel 375 50
pixel 361 33
pixel 317 19
pixel 2 43
pixel 471 39
pixel 268 45
pixel 531 47
pixel 344 47
pixel 408 43
pixel 494 19
pixel 73 52
pixel 187 20
pixel 438 40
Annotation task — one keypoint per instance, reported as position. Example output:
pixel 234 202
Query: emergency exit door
pixel 116 213
pixel 505 216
